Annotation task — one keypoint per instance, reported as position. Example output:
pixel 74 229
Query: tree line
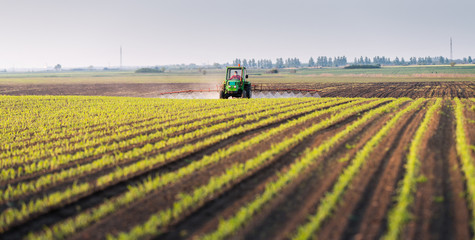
pixel 324 61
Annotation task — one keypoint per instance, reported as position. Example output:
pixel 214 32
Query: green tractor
pixel 236 84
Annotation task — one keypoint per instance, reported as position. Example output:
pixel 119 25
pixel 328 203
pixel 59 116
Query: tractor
pixel 236 84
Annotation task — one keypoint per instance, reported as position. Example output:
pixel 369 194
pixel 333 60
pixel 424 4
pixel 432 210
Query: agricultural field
pixel 401 81
pixel 77 167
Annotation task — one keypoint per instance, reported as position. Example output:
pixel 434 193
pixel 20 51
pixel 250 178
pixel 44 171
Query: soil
pixel 378 89
pixel 297 202
pixel 439 209
pixel 385 89
pixel 358 207
pixel 91 199
pixel 116 89
pixel 226 205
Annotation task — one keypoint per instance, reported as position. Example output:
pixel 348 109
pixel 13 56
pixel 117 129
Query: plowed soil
pixel 440 208
pixel 386 89
pixel 379 89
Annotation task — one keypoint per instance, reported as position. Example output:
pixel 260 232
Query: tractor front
pixel 236 83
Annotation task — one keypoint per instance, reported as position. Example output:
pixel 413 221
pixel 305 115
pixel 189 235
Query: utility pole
pixel 451 56
pixel 121 56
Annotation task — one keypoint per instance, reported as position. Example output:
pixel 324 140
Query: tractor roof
pixel 235 67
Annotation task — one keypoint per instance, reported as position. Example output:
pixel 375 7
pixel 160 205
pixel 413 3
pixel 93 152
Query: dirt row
pixel 439 210
pixel 90 159
pixel 378 89
pixel 386 89
pixel 116 89
pixel 98 196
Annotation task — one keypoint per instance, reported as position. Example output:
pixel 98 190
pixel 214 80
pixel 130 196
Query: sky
pixel 40 34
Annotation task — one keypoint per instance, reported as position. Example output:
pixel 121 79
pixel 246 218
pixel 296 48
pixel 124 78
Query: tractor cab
pixel 236 84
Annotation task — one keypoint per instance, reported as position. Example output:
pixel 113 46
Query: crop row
pixel 160 116
pixel 12 214
pixel 109 160
pixel 136 192
pixel 400 213
pixel 92 119
pixel 71 137
pixel 69 114
pixel 186 157
pixel 465 155
pixel 244 214
pixel 238 171
pixel 99 145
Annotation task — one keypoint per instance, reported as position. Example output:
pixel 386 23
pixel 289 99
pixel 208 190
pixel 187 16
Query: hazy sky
pixel 41 33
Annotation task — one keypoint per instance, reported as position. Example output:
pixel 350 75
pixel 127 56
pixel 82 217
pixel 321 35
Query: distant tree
pixel 292 62
pixel 297 62
pixel 396 61
pixel 57 67
pixel 452 64
pixel 236 62
pixel 340 61
pixel 367 60
pixel 420 61
pixel 465 60
pixel 252 63
pixel 268 63
pixel 376 59
pixel 428 60
pixel 279 63
pixel 287 62
pixel 244 63
pixel 264 63
pixel 322 61
pixel 311 62
pixel 441 60
pixel 216 65
pixel 469 59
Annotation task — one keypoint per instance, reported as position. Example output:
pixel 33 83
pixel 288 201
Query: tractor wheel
pixel 221 95
pixel 248 92
pixel 244 94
